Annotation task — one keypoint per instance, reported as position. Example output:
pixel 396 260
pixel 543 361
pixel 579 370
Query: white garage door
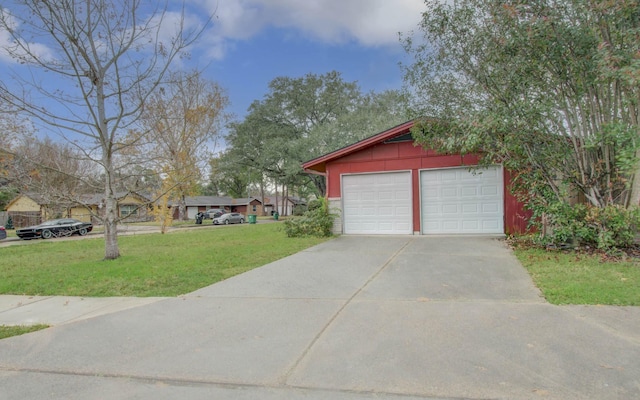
pixel 377 203
pixel 456 200
pixel 191 212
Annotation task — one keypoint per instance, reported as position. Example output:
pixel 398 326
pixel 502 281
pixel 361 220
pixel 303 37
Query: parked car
pixel 55 228
pixel 213 213
pixel 3 232
pixel 229 218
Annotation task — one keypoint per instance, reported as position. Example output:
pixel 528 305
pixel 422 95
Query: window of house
pixel 128 210
pixel 254 208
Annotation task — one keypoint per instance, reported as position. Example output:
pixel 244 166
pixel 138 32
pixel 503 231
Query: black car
pixel 3 233
pixel 55 228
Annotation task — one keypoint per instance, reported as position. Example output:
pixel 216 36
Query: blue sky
pixel 246 70
pixel 358 38
pixel 251 42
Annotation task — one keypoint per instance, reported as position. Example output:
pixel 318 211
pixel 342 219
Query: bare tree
pixel 183 119
pixel 50 170
pixel 104 59
pixel 12 128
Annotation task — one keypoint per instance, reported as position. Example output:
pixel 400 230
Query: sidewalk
pixel 59 310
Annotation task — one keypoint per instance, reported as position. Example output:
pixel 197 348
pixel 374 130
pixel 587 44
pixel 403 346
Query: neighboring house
pixel 290 203
pixel 132 206
pixel 385 184
pixel 196 204
pixel 30 209
pixel 247 206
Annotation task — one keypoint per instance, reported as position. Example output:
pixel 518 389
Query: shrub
pixel 316 203
pixel 605 228
pixel 299 210
pixel 316 221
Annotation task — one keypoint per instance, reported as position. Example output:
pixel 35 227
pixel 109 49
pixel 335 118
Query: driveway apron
pixel 357 317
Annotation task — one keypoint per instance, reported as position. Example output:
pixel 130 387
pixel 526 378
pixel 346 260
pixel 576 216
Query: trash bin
pixel 276 215
pixel 252 218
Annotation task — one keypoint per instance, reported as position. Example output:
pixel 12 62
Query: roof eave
pixel 319 164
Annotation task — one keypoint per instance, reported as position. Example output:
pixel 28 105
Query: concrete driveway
pixel 354 318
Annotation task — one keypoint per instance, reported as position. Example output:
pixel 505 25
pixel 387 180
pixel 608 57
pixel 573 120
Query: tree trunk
pixel 111 250
pixel 282 204
pixel 182 208
pixel 320 183
pixel 275 203
pixel 634 190
pixel 264 212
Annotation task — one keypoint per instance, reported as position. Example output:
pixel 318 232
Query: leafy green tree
pixel 374 113
pixel 302 118
pixel 549 88
pixel 228 178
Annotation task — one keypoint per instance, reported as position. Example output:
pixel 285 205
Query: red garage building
pixel 385 184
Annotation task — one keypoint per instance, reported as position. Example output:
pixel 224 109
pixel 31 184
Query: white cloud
pixel 38 50
pixel 367 22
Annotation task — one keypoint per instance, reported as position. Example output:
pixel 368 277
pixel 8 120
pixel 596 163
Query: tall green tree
pixel 302 118
pixel 549 88
pixel 229 178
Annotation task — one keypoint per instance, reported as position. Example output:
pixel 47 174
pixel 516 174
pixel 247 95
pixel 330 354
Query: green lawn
pixel 574 278
pixel 151 264
pixel 8 331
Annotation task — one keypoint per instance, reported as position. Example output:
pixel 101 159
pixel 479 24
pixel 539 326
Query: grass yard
pixel 151 264
pixel 8 331
pixel 575 278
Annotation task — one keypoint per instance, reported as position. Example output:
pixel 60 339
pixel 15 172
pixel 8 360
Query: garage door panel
pixel 470 208
pixel 385 212
pixel 368 212
pixel 470 226
pixel 451 225
pixel 385 196
pixel 491 208
pixel 469 191
pixel 491 224
pixel 377 203
pixel 448 175
pixel 450 209
pixel 490 190
pixel 456 200
pixel 449 192
pixel 405 215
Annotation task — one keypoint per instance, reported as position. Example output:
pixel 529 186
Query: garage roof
pixel 318 165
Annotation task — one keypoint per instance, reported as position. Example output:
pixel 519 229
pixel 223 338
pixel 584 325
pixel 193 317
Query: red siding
pixel 516 216
pixel 406 156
